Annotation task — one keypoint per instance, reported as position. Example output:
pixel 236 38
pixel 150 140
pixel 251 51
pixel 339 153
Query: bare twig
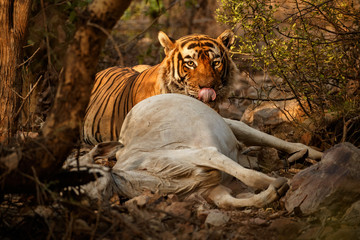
pixel 46 33
pixel 27 96
pixel 297 208
pixel 39 198
pixel 98 215
pixel 346 127
pixel 17 94
pixel 263 99
pixel 69 227
pixel 292 88
pixel 27 60
pixel 150 25
pixel 121 59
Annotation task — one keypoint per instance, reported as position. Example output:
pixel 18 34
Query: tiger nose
pixel 207 85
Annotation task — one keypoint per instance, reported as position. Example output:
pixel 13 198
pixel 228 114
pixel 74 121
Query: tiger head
pixel 198 66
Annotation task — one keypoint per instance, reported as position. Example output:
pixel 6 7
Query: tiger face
pixel 198 66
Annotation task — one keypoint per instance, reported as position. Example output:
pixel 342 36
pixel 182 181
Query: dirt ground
pixel 52 215
pixel 147 217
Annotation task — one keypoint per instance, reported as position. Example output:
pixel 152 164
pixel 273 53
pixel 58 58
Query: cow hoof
pixel 281 185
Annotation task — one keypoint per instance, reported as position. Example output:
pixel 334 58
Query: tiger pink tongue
pixel 207 95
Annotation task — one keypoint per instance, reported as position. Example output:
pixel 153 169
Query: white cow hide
pixel 172 143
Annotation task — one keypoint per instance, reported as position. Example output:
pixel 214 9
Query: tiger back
pixel 194 65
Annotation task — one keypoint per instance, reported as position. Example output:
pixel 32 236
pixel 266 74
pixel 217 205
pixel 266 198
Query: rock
pixel 271 113
pixel 259 221
pixel 329 186
pixel 235 106
pixel 344 233
pixel 315 232
pixel 44 211
pixel 268 159
pixel 217 218
pixel 352 214
pixel 81 225
pixel 247 211
pixel 140 200
pixel 167 235
pixel 286 228
pixel 202 212
pixel 179 209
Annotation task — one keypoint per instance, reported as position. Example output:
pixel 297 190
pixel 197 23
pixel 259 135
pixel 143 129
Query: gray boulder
pixel 328 187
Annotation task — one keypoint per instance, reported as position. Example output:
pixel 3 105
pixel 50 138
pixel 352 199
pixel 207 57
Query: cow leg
pixel 251 136
pixel 177 171
pixel 210 157
pixel 222 198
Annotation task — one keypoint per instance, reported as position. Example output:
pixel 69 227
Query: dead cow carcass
pixel 172 143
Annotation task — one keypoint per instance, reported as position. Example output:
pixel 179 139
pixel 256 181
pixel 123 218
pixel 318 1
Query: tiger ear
pixel 165 41
pixel 227 38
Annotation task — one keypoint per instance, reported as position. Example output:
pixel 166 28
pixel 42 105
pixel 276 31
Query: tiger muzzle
pixel 207 95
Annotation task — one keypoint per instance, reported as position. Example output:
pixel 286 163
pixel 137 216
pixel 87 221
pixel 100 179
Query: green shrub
pixel 312 45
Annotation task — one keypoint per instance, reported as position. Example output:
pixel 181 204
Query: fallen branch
pixel 263 99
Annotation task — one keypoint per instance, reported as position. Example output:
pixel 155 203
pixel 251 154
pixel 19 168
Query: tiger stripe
pixel 188 67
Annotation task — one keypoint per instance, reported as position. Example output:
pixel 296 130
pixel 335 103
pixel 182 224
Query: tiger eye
pixel 216 63
pixel 190 64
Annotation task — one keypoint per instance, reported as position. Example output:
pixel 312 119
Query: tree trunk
pixel 13 25
pixel 46 154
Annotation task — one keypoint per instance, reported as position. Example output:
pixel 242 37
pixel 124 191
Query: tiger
pixel 195 65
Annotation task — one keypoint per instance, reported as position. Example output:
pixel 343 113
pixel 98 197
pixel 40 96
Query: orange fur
pixel 191 63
